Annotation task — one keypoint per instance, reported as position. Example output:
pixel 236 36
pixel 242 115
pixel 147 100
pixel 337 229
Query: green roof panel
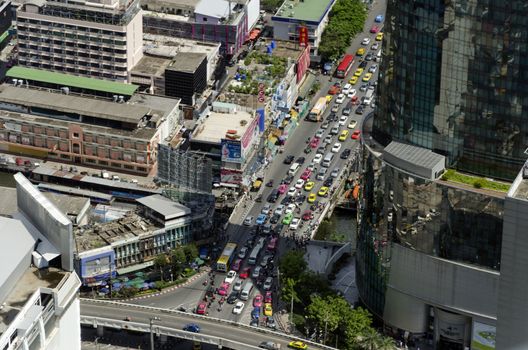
pixel 71 80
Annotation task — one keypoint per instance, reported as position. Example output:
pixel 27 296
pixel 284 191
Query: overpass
pixel 223 333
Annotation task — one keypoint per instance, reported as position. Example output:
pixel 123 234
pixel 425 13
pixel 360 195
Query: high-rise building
pixel 100 38
pixel 434 254
pixel 453 79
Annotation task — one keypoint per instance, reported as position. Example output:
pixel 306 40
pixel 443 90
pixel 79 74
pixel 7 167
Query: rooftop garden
pixel 475 181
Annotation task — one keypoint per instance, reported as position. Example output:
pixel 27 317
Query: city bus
pixel 225 260
pixel 253 257
pixel 317 111
pixel 344 67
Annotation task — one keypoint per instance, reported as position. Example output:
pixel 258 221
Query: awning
pixel 133 268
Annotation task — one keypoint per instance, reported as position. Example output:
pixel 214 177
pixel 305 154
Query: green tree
pixel 386 343
pixel 292 265
pixel 191 252
pixel 289 294
pixel 367 340
pixel 325 312
pixel 160 261
pixel 178 260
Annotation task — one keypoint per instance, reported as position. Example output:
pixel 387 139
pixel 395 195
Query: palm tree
pixel 386 343
pixel 368 340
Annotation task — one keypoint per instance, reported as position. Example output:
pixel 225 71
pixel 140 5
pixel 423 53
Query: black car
pixel 360 110
pixel 210 291
pixel 300 199
pixel 266 229
pixel 275 218
pixel 288 180
pixel 332 117
pixel 329 181
pixel 363 64
pixel 308 149
pixel 345 154
pixel 232 298
pixel 286 200
pixel 289 159
pixel 300 160
pixel 274 195
pixel 278 229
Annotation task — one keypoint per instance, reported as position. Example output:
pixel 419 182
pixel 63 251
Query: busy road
pixel 297 185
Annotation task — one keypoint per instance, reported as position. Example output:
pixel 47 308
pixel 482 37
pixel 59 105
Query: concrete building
pixel 94 132
pixel 186 76
pixel 228 136
pixel 219 21
pixel 160 223
pixel 38 293
pixel 294 13
pixel 75 208
pixel 99 38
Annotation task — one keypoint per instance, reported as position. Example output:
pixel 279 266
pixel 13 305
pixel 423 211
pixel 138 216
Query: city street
pixel 276 171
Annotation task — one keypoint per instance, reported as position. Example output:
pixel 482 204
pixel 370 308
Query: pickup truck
pixel 269 345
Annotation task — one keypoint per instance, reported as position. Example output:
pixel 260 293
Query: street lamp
pixel 152 319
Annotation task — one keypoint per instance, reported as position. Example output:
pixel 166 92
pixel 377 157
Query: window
pixel 75 135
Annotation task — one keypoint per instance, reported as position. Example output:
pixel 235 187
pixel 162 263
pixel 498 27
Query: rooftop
pixel 71 80
pixel 8 202
pixel 69 205
pixel 164 206
pixel 214 127
pixel 519 188
pixel 307 10
pixel 187 61
pixel 151 65
pixel 417 155
pixel 283 48
pixel 215 8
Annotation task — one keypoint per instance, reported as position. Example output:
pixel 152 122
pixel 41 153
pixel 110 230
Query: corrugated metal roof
pixel 15 242
pixel 165 206
pixel 413 154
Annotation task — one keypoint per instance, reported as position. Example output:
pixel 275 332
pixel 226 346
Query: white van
pixel 246 291
pixel 378 56
pixel 294 168
pixel 328 159
pixel 369 96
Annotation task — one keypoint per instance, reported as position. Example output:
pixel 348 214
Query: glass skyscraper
pixel 454 79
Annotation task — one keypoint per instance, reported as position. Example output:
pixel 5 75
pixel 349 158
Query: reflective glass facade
pixel 453 79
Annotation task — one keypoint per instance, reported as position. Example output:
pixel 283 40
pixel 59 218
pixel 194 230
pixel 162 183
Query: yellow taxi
pixel 312 197
pixel 309 185
pixel 329 98
pixel 323 191
pixel 298 345
pixel 379 37
pixel 343 135
pixel 361 51
pixel 367 77
pixel 353 80
pixel 268 310
pixel 358 72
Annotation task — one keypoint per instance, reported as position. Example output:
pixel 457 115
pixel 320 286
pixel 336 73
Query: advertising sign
pixel 303 36
pixel 483 336
pixel 231 151
pixel 451 330
pixel 247 138
pixel 229 176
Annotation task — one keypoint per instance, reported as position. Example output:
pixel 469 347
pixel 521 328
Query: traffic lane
pixel 216 329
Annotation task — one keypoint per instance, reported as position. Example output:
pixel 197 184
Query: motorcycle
pixel 270 183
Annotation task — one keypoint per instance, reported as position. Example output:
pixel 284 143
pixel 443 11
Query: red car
pixel 306 174
pixel 315 142
pixel 334 90
pixel 308 215
pixel 257 302
pixel 268 297
pixel 355 100
pixel 282 188
pixel 245 273
pixel 201 309
pixel 374 29
pixel 236 265
pixel 224 288
pixel 355 135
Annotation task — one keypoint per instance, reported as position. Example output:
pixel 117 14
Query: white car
pixel 351 93
pixel 291 207
pixel 335 108
pixel 268 283
pixel 279 210
pixel 242 252
pixel 248 221
pixel 292 191
pixel 352 124
pixel 238 285
pixel 327 140
pixel 239 306
pixel 336 147
pixel 231 275
pixel 319 133
pixel 374 46
pixel 299 184
pixel 294 225
pixel 335 172
pixel 346 89
pixel 373 68
pixel 256 272
pixel 318 158
pixel 365 41
pixel 340 98
pixel 342 120
pixel 266 209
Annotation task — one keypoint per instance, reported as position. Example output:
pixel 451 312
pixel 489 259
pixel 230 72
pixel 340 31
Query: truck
pixel 317 111
pixel 269 345
pixel 368 97
pixel 257 184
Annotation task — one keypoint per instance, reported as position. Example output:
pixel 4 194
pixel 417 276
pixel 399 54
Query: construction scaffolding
pixel 188 171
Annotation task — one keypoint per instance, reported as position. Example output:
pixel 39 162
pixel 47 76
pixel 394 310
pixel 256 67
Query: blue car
pixel 255 314
pixel 379 19
pixel 192 327
pixel 261 219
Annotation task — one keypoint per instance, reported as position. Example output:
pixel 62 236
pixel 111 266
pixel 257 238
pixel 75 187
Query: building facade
pixel 101 39
pixel 452 79
pixel 434 256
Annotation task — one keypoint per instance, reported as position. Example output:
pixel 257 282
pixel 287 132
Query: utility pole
pixel 152 319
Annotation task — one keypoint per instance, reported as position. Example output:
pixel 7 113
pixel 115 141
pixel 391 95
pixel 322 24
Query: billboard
pixel 303 36
pixel 483 336
pixel 229 176
pixel 231 151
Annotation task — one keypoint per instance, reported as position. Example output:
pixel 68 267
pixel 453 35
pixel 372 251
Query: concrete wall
pixel 134 44
pixel 418 279
pixel 513 301
pixel 15 275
